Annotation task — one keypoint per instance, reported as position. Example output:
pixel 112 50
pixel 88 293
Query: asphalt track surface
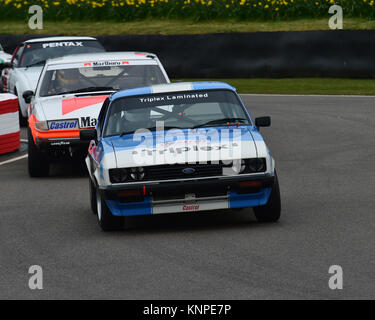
pixel 325 154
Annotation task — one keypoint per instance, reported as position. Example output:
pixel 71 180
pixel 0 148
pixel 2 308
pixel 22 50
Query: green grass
pixel 321 86
pixel 157 26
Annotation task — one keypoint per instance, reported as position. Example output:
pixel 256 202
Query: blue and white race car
pixel 183 147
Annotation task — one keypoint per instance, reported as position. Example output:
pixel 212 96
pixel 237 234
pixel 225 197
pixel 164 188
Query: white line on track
pixel 13 160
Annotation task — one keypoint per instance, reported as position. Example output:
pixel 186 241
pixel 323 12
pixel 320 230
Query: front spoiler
pixel 232 198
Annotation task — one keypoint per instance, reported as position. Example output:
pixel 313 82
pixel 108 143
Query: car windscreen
pixel 38 53
pixel 90 79
pixel 181 110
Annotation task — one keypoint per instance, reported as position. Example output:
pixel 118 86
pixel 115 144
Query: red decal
pixel 74 104
pixel 125 62
pixel 191 208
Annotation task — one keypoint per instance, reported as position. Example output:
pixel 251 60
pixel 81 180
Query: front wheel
pixel 271 211
pixel 38 162
pixel 107 221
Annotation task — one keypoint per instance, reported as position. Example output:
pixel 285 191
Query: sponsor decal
pixel 70 105
pixel 108 63
pixel 62 44
pixel 63 124
pixel 60 143
pixel 88 122
pixel 193 207
pixel 174 97
pixel 180 150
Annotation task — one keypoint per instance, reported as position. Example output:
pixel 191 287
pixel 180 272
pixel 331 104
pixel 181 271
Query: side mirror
pixel 88 135
pixel 263 122
pixel 27 95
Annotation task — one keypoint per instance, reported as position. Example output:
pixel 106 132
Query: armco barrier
pixel 335 53
pixel 9 124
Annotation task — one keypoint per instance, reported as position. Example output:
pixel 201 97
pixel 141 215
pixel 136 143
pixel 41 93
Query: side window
pixel 101 117
pixel 17 56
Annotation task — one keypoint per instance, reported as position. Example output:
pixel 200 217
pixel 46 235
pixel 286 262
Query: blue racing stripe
pixel 202 85
pixel 248 200
pixel 131 208
pixel 131 92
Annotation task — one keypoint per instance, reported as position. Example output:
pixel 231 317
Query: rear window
pixel 38 53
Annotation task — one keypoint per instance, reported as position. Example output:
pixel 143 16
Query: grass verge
pixel 152 26
pixel 313 86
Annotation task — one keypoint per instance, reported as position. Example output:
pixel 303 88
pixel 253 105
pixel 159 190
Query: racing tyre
pixel 93 204
pixel 107 221
pixel 272 210
pixel 38 163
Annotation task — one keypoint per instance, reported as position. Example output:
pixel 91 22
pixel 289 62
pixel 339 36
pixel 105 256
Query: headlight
pixel 137 173
pixel 118 175
pixel 256 165
pixel 41 125
pixel 239 166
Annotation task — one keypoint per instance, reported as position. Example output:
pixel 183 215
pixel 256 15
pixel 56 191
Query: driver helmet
pixel 68 78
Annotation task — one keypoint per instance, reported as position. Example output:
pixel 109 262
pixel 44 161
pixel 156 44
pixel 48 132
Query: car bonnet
pixel 157 149
pixel 72 107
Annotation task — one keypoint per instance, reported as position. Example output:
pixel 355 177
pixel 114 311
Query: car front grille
pixel 183 171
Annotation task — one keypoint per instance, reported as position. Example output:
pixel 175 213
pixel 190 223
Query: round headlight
pixel 243 166
pixel 137 173
pixel 256 165
pixel 118 175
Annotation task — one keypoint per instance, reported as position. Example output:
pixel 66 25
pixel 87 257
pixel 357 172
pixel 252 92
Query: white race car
pixel 23 71
pixel 183 147
pixel 69 96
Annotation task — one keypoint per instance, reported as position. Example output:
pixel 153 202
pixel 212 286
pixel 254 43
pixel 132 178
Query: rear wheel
pixel 107 221
pixel 271 211
pixel 38 162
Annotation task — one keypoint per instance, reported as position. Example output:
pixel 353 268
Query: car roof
pixel 49 39
pixel 173 87
pixel 100 56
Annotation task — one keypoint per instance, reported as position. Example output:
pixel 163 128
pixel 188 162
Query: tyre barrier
pixel 10 139
pixel 326 53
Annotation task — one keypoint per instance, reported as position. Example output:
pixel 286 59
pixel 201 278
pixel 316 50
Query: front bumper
pixel 62 147
pixel 192 196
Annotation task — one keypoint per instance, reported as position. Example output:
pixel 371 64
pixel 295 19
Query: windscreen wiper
pixel 89 89
pixel 220 121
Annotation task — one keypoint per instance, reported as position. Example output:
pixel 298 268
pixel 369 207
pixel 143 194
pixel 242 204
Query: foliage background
pixel 198 10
